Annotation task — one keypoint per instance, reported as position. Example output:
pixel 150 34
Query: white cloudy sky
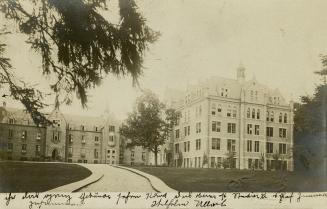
pixel 278 41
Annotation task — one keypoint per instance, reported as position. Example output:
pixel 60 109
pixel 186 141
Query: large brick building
pixel 221 117
pixel 70 138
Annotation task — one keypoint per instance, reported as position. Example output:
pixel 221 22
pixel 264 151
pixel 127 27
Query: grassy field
pixel 219 180
pixel 38 177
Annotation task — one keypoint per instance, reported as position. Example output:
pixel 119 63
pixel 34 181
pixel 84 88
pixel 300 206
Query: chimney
pixel 241 73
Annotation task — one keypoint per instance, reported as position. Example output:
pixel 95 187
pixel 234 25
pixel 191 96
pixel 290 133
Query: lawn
pixel 219 180
pixel 38 177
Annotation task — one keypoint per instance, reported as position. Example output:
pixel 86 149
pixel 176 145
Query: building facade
pixel 233 123
pixel 70 138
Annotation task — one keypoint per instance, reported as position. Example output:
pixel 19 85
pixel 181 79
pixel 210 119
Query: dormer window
pixel 82 128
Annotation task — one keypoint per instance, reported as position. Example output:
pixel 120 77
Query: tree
pixel 229 161
pixel 310 125
pixel 149 124
pixel 77 45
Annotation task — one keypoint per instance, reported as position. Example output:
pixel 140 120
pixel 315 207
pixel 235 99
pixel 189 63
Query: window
pixel 83 139
pixel 111 138
pixel 96 139
pixel 282 148
pixel 215 144
pixel 231 128
pixel 270 147
pixel 70 138
pixel 132 154
pixel 213 109
pixel 95 128
pixel 108 151
pixel 37 149
pixel 10 133
pixel 189 130
pixel 84 161
pixel 177 133
pixel 24 134
pixel 55 136
pixel 143 156
pixel 280 118
pixel 231 145
pixel 111 128
pixel 253 113
pixel 285 118
pixel 24 148
pixel 70 151
pixel 186 146
pixel 11 121
pixel 198 144
pixel 249 146
pixel 256 146
pixel 272 116
pixel 10 146
pixel 38 136
pixel 219 110
pixel 234 113
pixel 185 131
pixel 270 131
pixel 248 113
pixel 249 129
pixel 256 130
pixel 267 115
pixel 82 128
pixel 282 132
pixel 258 114
pixel 216 126
pixel 96 153
pixel 229 113
pixel 176 148
pixel 198 127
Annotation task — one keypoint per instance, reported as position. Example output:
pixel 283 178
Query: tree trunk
pixel 156 156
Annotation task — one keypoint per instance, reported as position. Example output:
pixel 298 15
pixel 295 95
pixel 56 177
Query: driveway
pixel 118 180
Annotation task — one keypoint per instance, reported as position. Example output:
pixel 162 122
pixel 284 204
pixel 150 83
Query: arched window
pixel 267 115
pixel 272 116
pixel 280 118
pixel 285 118
pixel 248 113
pixel 258 113
pixel 253 113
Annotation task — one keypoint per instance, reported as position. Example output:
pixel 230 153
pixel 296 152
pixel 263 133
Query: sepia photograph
pixel 145 99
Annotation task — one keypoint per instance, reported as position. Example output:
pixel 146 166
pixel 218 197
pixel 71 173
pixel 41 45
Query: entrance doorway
pixel 55 154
